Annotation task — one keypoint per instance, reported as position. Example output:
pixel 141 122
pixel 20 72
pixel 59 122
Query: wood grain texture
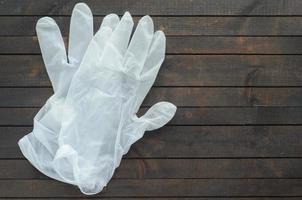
pixel 186 45
pixel 177 26
pixel 180 96
pixel 177 168
pixel 194 142
pixel 178 70
pixel 149 187
pixel 179 198
pixel 234 69
pixel 190 116
pixel 155 7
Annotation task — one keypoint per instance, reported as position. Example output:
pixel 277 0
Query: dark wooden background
pixel 233 68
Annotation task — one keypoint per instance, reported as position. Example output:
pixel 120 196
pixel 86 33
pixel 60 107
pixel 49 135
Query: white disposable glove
pixel 99 122
pixel 40 146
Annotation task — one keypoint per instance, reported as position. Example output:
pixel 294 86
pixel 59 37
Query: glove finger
pixel 139 46
pixel 111 21
pixel 155 57
pixel 52 48
pixel 151 67
pixel 158 115
pixel 81 32
pixel 121 35
pixel 101 38
pixel 117 45
pixel 95 49
pixel 99 41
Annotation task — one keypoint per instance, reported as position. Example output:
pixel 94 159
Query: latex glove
pixel 99 122
pixel 40 146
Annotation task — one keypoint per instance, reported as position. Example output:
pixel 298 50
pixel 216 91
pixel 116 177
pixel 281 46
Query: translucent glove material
pixel 81 135
pixel 99 122
pixel 41 145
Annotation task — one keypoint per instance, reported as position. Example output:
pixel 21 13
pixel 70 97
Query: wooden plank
pixel 177 168
pixel 155 7
pixel 179 70
pixel 194 142
pixel 238 116
pixel 150 188
pixel 187 45
pixel 190 116
pixel 180 198
pixel 229 26
pixel 180 96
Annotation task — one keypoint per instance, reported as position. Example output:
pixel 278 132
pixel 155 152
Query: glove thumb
pixel 158 115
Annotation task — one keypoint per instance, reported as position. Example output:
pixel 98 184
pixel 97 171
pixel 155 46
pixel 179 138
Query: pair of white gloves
pixel 84 129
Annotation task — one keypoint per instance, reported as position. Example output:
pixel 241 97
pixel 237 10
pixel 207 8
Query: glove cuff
pixel 38 155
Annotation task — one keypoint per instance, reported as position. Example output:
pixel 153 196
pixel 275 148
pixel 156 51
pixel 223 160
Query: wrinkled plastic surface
pixel 40 146
pixel 85 128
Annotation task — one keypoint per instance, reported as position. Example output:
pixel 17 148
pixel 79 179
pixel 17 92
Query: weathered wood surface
pixel 177 168
pixel 187 45
pixel 181 96
pixel 175 198
pixel 158 188
pixel 232 67
pixel 155 7
pixel 199 142
pixel 190 116
pixel 179 198
pixel 179 70
pixel 214 26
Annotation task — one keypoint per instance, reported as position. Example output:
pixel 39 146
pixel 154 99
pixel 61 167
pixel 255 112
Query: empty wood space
pixel 233 68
